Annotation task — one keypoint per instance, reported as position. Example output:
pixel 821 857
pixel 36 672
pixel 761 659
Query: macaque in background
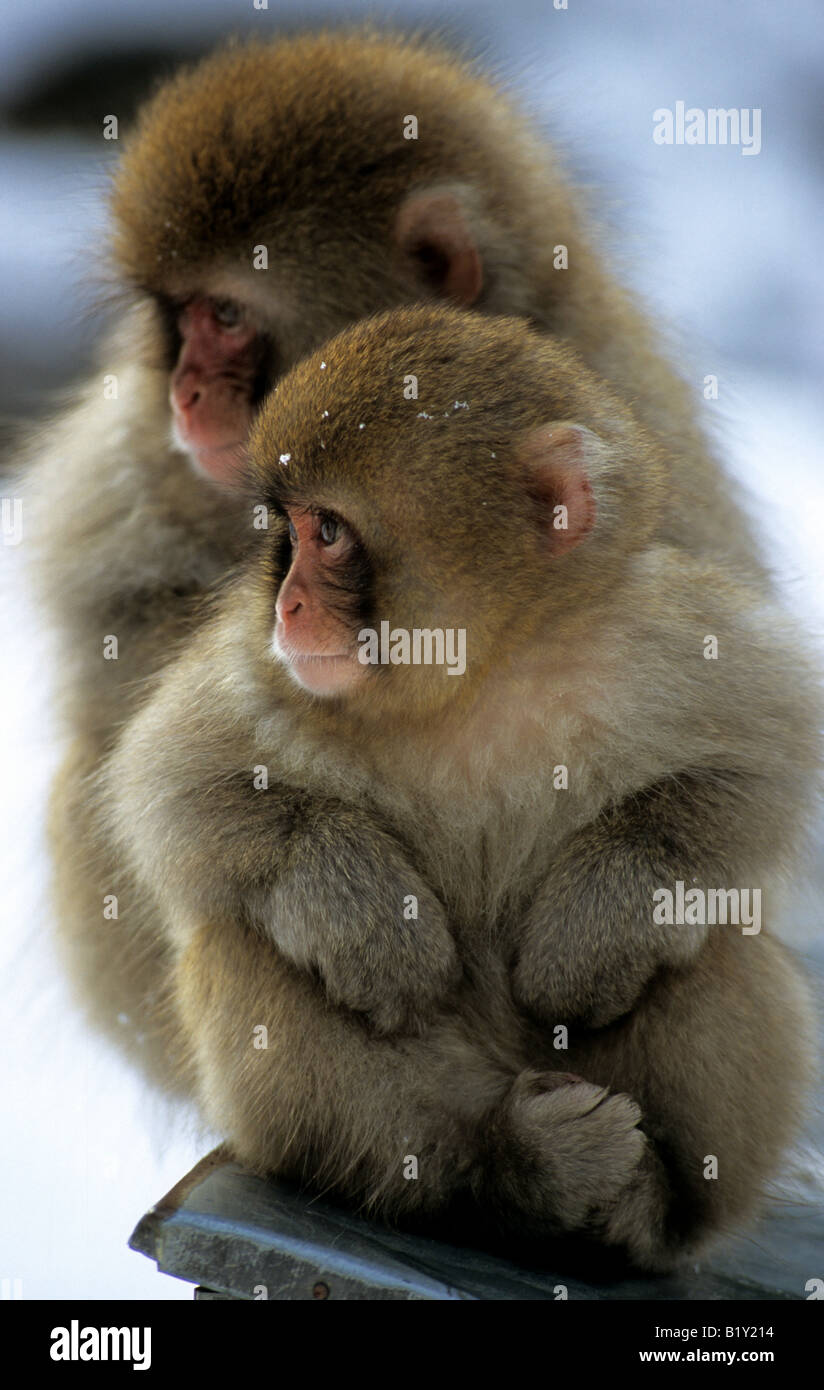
pixel 388 887
pixel 268 197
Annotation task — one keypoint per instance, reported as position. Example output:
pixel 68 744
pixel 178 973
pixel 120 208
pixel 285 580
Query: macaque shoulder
pixel 712 670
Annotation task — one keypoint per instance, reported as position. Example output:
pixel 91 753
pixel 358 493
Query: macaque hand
pixel 349 905
pixel 586 956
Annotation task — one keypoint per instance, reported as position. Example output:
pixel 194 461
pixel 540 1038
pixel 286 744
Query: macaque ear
pixel 432 231
pixel 558 459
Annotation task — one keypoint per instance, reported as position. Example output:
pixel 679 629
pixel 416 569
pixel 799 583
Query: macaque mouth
pixel 290 651
pixel 319 673
pixel 296 658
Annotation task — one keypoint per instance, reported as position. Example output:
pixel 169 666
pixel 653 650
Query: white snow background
pixel 725 247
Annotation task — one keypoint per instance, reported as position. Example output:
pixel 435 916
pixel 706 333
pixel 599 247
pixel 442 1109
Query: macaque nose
pixel 290 602
pixel 290 609
pixel 187 390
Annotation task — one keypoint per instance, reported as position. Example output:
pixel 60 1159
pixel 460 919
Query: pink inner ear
pixel 557 459
pixel 432 229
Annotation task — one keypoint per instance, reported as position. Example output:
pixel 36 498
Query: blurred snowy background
pixel 725 247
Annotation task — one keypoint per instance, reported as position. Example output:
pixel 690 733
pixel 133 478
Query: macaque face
pixel 414 547
pixel 220 375
pixel 317 604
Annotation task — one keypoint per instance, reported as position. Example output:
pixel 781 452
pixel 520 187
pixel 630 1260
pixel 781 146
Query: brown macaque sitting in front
pixel 408 803
pixel 269 196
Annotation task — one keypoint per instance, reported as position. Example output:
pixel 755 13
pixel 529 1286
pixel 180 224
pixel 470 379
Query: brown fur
pixel 204 181
pixel 283 907
pixel 296 145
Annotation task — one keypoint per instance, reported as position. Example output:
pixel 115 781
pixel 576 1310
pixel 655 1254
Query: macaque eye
pixel 330 530
pixel 227 313
pixel 293 535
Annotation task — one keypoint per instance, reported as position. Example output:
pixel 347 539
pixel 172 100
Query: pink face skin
pixel 312 642
pixel 211 386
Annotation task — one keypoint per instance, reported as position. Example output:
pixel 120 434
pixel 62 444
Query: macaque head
pixel 443 490
pixel 277 192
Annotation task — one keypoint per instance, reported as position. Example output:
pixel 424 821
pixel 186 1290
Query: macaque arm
pixel 321 880
pixel 343 899
pixel 589 942
pixel 405 1125
pixel 305 1090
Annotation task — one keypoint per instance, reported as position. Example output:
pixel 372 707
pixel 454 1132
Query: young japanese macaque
pixel 268 197
pixel 406 806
